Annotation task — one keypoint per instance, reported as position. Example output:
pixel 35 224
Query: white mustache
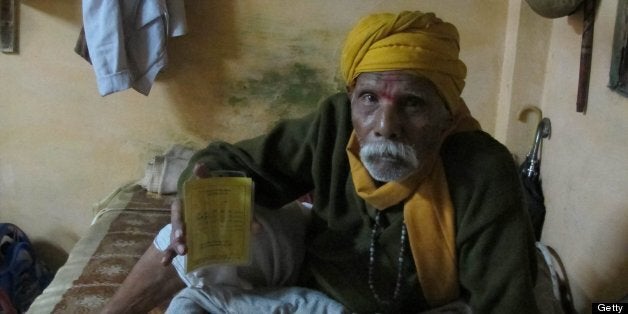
pixel 389 149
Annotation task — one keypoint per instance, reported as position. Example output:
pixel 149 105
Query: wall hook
pixel 523 113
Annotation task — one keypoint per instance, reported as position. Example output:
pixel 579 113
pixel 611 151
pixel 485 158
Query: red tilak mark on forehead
pixel 388 89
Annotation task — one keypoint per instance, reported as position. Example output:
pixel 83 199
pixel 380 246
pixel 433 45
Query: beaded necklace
pixel 400 262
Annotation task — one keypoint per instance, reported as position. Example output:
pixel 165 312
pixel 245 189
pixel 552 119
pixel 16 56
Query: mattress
pixel 123 228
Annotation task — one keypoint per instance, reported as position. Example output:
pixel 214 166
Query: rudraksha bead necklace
pixel 400 262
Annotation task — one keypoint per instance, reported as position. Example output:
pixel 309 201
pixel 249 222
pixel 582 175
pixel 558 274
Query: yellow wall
pixel 584 164
pixel 585 170
pixel 63 147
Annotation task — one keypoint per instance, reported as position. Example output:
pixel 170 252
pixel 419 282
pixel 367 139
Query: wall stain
pixel 296 86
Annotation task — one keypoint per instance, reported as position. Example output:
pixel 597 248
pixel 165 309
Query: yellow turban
pixel 415 41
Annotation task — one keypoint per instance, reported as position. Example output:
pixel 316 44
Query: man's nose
pixel 388 123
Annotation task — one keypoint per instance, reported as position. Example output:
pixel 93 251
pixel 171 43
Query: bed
pixel 124 226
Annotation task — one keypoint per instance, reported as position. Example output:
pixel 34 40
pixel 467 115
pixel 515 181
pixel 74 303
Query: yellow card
pixel 217 215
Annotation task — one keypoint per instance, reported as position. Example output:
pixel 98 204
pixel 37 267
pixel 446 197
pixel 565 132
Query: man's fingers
pixel 168 256
pixel 200 171
pixel 175 212
pixel 179 246
pixel 256 227
pixel 171 252
pixel 177 235
pixel 175 248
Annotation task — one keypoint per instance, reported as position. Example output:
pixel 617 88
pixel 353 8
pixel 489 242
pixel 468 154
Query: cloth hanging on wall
pixel 125 40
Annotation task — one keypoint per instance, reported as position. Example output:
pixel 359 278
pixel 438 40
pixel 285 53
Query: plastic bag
pixel 22 276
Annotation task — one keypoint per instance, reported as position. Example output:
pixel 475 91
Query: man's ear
pixel 447 122
pixel 350 90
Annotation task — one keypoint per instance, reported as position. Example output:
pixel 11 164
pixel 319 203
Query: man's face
pixel 399 119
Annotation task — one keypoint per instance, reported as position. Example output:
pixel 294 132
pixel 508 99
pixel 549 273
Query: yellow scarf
pixel 429 217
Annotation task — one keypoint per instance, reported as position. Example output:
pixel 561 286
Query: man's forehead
pixel 400 78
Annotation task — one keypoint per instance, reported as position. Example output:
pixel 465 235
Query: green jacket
pixel 494 240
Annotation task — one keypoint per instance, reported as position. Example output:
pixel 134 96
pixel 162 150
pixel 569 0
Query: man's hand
pixel 178 244
pixel 177 235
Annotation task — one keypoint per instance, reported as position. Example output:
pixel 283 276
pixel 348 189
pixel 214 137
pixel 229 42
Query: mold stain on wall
pixel 291 90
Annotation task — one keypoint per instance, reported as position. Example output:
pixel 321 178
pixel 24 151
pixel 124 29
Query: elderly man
pixel 414 206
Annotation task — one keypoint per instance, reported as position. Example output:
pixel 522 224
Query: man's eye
pixel 414 103
pixel 368 98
